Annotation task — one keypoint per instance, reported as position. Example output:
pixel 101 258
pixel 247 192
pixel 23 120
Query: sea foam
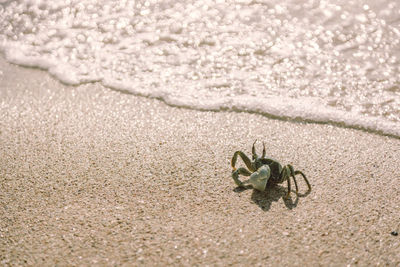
pixel 333 62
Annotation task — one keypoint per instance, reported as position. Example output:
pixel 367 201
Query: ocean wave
pixel 331 63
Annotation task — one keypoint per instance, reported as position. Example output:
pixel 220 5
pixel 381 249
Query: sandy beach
pixel 92 176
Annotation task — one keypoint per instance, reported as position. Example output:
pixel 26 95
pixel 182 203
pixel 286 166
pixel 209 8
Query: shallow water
pixel 327 61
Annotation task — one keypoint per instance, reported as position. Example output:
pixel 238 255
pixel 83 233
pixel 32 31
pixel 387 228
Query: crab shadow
pixel 271 194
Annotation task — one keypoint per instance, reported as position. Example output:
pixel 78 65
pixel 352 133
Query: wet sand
pixel 91 176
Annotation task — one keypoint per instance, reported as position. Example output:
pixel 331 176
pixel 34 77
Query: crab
pixel 263 171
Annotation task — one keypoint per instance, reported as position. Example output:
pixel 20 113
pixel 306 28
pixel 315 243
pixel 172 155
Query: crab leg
pixel 286 173
pixel 305 179
pixel 292 173
pixel 245 159
pixel 235 175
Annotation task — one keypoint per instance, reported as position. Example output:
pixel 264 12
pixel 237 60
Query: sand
pixel 92 176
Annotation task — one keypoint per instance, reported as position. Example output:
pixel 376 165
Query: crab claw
pixel 260 178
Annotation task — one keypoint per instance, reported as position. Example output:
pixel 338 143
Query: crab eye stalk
pixel 263 153
pixel 253 150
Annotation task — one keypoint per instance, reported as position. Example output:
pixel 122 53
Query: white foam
pixel 293 64
pixel 305 109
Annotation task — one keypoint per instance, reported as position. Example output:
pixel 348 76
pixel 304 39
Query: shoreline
pixel 325 115
pixel 92 176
